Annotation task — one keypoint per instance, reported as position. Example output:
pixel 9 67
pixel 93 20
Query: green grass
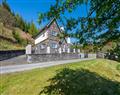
pixel 95 77
pixel 6 45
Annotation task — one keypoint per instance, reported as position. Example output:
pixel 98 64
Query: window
pixel 54 33
pixel 42 46
pixel 53 45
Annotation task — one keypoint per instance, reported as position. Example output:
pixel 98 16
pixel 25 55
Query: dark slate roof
pixel 47 26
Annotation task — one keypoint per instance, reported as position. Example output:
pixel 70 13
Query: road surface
pixel 18 68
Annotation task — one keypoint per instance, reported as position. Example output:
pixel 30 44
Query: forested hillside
pixel 15 32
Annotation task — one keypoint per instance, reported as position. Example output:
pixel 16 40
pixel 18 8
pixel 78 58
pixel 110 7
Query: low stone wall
pixel 56 56
pixel 51 57
pixel 91 55
pixel 100 55
pixel 7 54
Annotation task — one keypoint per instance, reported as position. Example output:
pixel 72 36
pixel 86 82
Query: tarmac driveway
pixel 23 67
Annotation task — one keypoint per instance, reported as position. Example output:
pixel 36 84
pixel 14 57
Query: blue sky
pixel 29 9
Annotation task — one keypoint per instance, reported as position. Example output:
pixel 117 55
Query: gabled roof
pixel 47 26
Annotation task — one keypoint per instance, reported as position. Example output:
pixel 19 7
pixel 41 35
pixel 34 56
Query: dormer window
pixel 54 33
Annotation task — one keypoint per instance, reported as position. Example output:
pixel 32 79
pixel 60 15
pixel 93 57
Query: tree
pixel 6 6
pixel 100 26
pixel 6 18
pixel 21 23
pixel 33 30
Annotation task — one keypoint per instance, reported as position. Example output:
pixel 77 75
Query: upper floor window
pixel 54 45
pixel 54 33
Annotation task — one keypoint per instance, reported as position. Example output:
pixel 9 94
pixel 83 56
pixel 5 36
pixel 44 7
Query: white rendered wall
pixel 41 37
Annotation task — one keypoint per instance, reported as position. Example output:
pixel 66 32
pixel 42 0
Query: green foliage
pixel 15 20
pixel 6 6
pixel 76 46
pixel 62 35
pixel 98 27
pixel 27 27
pixel 21 23
pixel 18 38
pixel 6 18
pixel 16 35
pixel 114 53
pixel 8 45
pixel 33 30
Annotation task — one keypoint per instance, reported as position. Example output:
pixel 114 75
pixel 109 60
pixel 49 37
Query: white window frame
pixel 54 33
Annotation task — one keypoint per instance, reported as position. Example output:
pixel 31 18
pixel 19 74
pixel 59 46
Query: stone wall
pixel 100 55
pixel 35 58
pixel 91 55
pixel 51 57
pixel 10 54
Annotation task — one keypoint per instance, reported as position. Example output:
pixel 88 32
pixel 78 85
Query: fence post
pixel 78 50
pixel 74 50
pixel 60 50
pixel 68 50
pixel 48 49
pixel 28 49
pixel 63 49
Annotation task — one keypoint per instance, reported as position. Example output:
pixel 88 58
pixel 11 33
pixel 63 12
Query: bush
pixel 16 35
pixel 114 54
pixel 19 40
pixel 23 42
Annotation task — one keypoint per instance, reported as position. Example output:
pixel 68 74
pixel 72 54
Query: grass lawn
pixel 94 77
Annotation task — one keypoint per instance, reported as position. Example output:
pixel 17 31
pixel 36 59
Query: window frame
pixel 54 33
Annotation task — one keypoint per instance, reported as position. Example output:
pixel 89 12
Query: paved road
pixel 14 61
pixel 18 68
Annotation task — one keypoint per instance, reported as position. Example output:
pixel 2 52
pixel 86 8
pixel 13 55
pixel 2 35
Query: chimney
pixel 62 29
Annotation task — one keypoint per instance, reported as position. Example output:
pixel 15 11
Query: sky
pixel 29 9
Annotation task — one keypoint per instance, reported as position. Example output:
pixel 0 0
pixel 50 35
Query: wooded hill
pixel 15 33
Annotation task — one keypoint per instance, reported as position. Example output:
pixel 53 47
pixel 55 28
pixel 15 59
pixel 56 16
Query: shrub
pixel 19 40
pixel 23 42
pixel 16 35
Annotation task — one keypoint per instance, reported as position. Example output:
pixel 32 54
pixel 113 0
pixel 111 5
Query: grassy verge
pixel 6 45
pixel 95 77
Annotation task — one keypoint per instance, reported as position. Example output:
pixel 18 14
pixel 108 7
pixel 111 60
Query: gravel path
pixel 18 68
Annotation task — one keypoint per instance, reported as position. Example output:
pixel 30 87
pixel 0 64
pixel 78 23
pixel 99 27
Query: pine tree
pixel 6 6
pixel 33 30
